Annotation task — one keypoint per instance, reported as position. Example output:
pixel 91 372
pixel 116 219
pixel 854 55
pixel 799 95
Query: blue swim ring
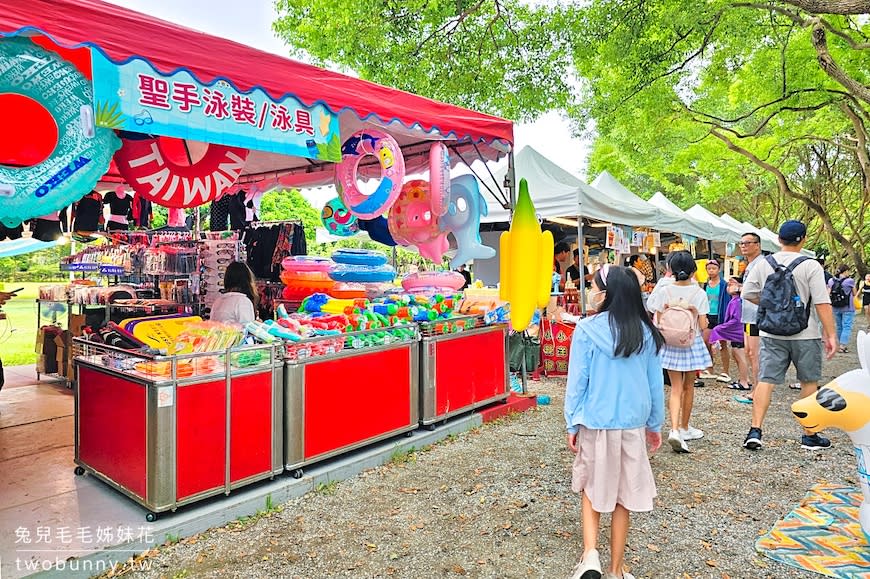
pixel 83 150
pixel 362 273
pixel 359 257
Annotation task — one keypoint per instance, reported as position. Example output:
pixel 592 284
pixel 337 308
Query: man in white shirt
pixel 750 247
pixel 803 349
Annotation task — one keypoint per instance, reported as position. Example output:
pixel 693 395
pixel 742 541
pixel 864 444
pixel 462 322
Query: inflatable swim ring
pixel 296 263
pixel 362 273
pixel 386 149
pixel 452 280
pixel 359 257
pixel 338 220
pixel 142 162
pixel 439 178
pixel 83 151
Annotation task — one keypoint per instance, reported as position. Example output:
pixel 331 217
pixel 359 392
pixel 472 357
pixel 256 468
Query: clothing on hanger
pixel 120 205
pixel 140 211
pixel 219 214
pixel 11 232
pixel 87 213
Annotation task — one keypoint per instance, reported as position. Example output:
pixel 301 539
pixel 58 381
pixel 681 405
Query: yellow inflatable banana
pixel 526 262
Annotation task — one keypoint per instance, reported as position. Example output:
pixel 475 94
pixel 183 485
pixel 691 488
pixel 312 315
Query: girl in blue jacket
pixel 614 406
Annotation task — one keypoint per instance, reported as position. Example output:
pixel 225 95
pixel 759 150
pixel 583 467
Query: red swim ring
pixel 146 167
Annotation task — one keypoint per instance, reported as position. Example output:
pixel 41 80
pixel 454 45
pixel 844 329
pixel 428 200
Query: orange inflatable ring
pixel 144 165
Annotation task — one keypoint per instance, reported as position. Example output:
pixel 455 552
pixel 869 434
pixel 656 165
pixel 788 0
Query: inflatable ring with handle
pixel 145 167
pixel 386 149
pixel 83 151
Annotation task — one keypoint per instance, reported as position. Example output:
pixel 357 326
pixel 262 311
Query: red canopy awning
pixel 122 34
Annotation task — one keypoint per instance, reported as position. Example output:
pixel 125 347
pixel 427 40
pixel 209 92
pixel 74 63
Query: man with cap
pixel 804 349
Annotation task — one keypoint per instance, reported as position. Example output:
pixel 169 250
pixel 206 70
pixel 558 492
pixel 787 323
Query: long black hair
pixel 682 264
pixel 627 314
pixel 240 278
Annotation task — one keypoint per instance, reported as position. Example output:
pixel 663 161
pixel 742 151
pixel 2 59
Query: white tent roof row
pixel 557 193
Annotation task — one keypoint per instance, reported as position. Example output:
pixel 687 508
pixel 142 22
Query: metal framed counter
pixel 166 440
pixel 349 397
pixel 463 366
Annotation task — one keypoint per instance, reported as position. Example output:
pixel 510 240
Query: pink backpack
pixel 678 322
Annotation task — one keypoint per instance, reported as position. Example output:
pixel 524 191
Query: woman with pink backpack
pixel 680 309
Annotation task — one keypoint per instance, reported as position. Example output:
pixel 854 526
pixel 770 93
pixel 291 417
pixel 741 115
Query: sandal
pixel 738 386
pixel 795 385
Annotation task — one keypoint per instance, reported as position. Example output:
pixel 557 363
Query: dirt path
pixel 495 502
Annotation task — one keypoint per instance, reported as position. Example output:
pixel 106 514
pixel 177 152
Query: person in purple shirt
pixel 731 329
pixel 842 289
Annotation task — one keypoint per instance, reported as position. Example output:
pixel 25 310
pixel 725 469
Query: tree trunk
pixel 784 187
pixel 842 7
pixel 832 69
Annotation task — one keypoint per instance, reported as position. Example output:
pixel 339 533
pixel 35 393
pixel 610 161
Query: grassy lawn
pixel 18 331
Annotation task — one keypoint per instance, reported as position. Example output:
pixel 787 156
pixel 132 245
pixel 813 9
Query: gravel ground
pixel 496 502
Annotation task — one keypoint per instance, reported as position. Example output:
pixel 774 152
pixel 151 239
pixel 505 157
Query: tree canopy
pixel 759 108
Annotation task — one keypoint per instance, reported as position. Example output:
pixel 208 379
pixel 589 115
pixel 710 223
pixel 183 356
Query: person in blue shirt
pixel 614 407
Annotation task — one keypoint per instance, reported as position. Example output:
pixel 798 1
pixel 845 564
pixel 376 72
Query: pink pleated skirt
pixel 612 467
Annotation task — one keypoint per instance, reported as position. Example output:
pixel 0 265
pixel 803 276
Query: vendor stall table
pixel 165 440
pixel 463 365
pixel 339 398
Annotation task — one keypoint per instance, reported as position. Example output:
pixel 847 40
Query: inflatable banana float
pixel 526 262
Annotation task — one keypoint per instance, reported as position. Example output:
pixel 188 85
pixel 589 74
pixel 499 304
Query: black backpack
pixel 781 310
pixel 839 298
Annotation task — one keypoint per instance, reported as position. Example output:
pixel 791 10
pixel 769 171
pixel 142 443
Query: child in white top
pixel 681 363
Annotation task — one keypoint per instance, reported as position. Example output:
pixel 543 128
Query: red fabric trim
pixel 121 34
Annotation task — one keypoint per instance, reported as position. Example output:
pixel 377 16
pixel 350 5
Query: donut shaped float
pixel 386 149
pixel 359 257
pixel 299 263
pixel 143 163
pixel 338 220
pixel 433 280
pixel 362 273
pixel 83 151
pixel 439 178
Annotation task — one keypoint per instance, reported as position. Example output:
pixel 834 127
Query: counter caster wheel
pixel 409 434
pixel 429 427
pixel 297 473
pixel 150 517
pixel 79 471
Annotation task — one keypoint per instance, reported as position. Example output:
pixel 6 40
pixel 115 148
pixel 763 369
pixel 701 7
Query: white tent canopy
pixel 699 228
pixel 557 193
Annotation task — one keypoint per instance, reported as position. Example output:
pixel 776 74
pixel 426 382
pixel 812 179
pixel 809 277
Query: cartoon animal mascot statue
pixel 844 403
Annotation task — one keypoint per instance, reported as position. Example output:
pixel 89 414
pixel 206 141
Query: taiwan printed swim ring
pixel 146 168
pixel 338 220
pixel 440 280
pixel 386 149
pixel 439 178
pixel 362 273
pixel 359 257
pixel 83 151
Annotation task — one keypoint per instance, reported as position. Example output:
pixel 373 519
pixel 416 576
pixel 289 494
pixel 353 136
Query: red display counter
pixel 166 441
pixel 461 370
pixel 347 398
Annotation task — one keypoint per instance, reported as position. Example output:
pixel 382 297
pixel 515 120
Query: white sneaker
pixel 625 575
pixel 707 376
pixel 677 443
pixel 589 567
pixel 691 433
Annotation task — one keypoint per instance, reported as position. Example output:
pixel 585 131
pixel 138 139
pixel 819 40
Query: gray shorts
pixel 776 355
